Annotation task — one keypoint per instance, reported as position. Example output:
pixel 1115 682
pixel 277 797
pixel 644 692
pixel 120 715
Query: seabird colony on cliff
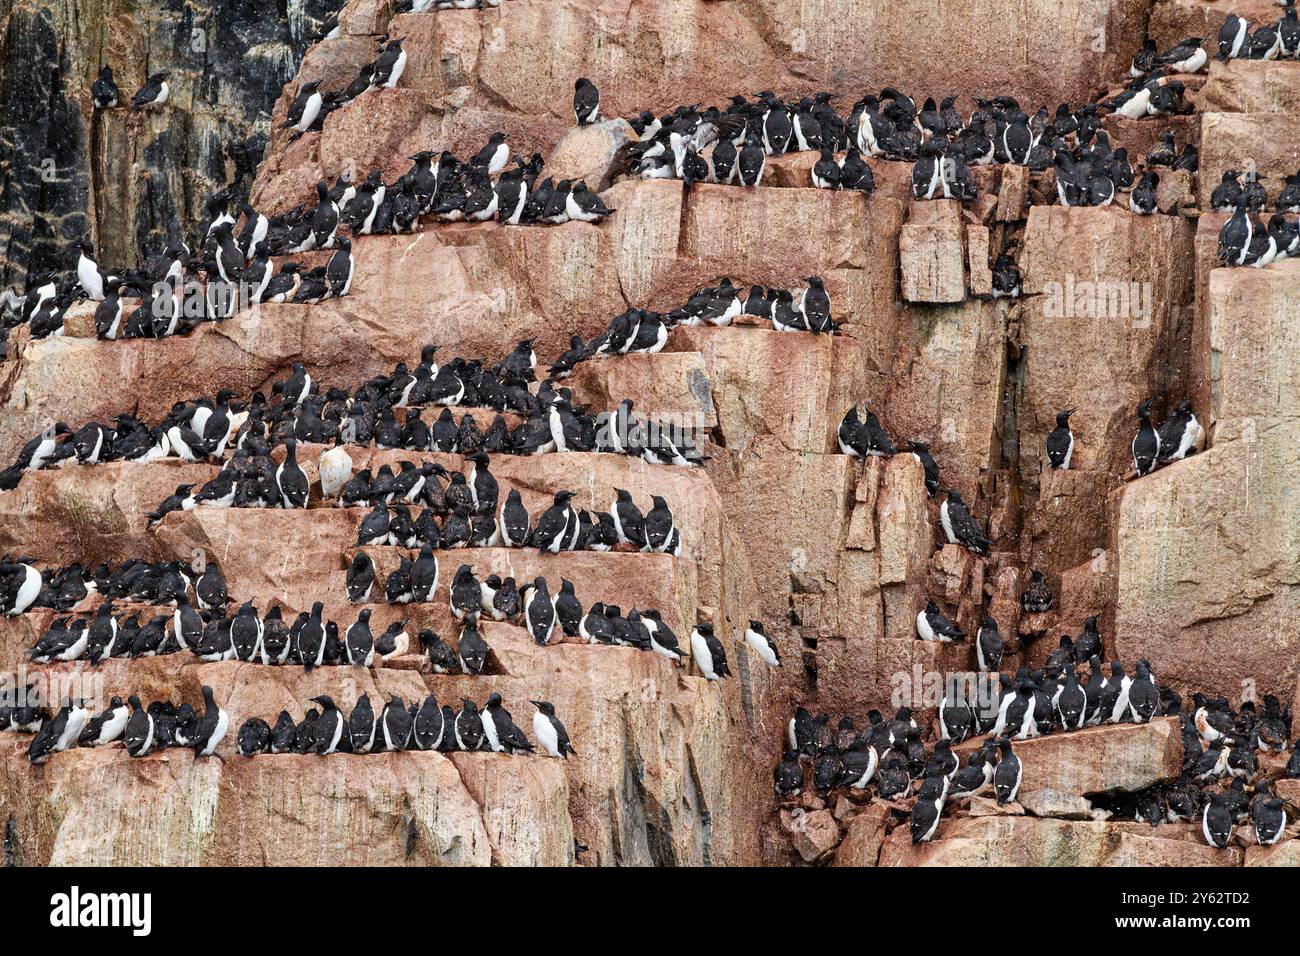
pixel 729 145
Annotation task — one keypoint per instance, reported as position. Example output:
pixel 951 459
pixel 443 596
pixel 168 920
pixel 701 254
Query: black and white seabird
pixel 254 737
pixel 360 578
pixel 707 651
pixel 928 809
pixel 762 644
pixel 539 611
pixel 389 66
pixel 988 646
pixel 659 528
pixel 153 93
pixel 395 725
pixel 1071 702
pixel 513 522
pixel 329 727
pixel 1007 775
pixel 960 527
pixel 933 625
pixel 424 575
pixel 1037 597
pixel 788 775
pixel 550 732
pixel 359 642
pixel 429 727
pixel 750 162
pixel 956 717
pixel 499 730
pixel 586 102
pixel 104 91
pixel 471 649
pixel 1216 820
pixel 1060 443
pixel 1268 818
pixel 583 205
pixel 1236 235
pixel 1180 434
pixel 662 640
pixel 1146 443
pixel 921 452
pixel 629 523
pixel 361 726
pixel 568 610
pixel 861 435
pixel 309 645
pixel 826 171
pixel 467 728
pixel 340 268
pixel 1234 37
pixel 138 735
pixel 304 109
pixel 1142 200
pixel 212 726
pixel 107 726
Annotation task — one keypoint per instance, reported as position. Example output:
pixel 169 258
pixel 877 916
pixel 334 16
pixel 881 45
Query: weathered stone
pixel 1013 194
pixel 1026 841
pixel 989 807
pixel 586 153
pixel 949 363
pixel 1252 86
pixel 1208 550
pixel 863 837
pixel 90 514
pixel 932 260
pixel 1176 192
pixel 391 809
pixel 1288 789
pixel 978 262
pixel 1054 803
pixel 1122 757
pixel 1286 853
pixel 816 835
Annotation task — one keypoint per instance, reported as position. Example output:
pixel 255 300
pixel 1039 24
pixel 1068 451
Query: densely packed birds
pixel 1087 172
pixel 141 730
pixel 398 726
pixel 301 410
pixel 1221 771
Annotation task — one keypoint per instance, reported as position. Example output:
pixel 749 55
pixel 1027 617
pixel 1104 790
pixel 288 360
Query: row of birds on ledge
pixel 746 132
pixel 24 586
pixel 941 143
pixel 315 641
pixel 561 527
pixel 162 726
pixel 418 726
pixel 179 290
pixel 200 599
pixel 732 145
pixel 1219 747
pixel 302 410
pixel 144 730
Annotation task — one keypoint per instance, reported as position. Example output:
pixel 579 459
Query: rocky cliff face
pixel 118 176
pixel 1196 567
